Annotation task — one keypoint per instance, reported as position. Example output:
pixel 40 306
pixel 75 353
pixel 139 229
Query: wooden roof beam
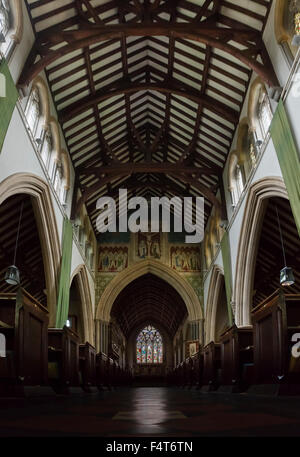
pixel 169 87
pixel 184 174
pixel 212 35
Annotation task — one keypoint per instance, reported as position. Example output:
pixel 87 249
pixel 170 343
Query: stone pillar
pixel 102 336
pixel 197 330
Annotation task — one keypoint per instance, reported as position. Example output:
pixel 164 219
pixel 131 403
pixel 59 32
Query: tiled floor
pixel 151 412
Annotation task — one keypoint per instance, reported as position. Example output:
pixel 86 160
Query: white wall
pixel 19 153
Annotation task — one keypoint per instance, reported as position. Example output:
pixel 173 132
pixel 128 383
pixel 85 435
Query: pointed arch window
pixel 264 112
pixel 47 148
pixel 57 177
pixel 33 111
pixel 149 346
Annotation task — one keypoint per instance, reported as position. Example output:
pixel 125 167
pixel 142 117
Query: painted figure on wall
pixel 185 258
pixel 149 245
pixel 113 259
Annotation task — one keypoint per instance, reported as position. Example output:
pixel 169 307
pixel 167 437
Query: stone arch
pixel 80 273
pixel 66 169
pixel 17 31
pixel 41 86
pixel 215 284
pixel 29 184
pixel 56 139
pixel 243 131
pixel 233 162
pixel 156 268
pixel 255 88
pixel 248 244
pixel 283 35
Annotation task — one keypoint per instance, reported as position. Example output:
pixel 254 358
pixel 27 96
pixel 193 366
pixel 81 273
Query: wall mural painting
pixel 102 281
pixel 149 245
pixel 196 281
pixel 113 259
pixel 185 258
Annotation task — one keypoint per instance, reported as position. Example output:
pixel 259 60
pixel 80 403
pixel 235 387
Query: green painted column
pixel 65 274
pixel 288 157
pixel 8 98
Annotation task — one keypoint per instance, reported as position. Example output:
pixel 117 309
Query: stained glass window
pixel 149 346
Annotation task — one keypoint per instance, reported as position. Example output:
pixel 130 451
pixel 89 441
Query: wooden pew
pixel 24 323
pixel 185 373
pixel 198 370
pixel 111 370
pixel 189 372
pixel 275 320
pixel 180 377
pixel 63 363
pixel 211 366
pixel 236 353
pixel 87 367
pixel 102 372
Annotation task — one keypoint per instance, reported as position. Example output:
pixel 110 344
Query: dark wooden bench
pixel 197 375
pixel 275 321
pixel 63 363
pixel 236 354
pixel 87 367
pixel 24 323
pixel 102 371
pixel 211 366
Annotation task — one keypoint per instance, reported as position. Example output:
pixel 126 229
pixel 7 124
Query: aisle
pixel 151 412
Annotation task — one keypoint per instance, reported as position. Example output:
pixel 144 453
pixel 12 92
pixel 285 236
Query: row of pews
pixel 38 357
pixel 257 360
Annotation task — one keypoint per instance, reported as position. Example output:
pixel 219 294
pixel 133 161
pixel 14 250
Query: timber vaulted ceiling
pixel 148 93
pixel 149 299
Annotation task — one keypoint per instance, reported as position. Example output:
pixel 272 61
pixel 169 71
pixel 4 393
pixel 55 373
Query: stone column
pixel 102 336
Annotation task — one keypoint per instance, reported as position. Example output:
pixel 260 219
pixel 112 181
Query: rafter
pixel 107 174
pixel 143 167
pixel 170 87
pixel 211 35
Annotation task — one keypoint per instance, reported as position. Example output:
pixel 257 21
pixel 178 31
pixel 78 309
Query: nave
pixel 118 323
pixel 151 412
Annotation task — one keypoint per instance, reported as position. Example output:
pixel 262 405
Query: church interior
pixel 140 333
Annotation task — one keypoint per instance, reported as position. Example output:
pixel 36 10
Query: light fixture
pixel 295 9
pixel 68 323
pixel 39 141
pixel 286 274
pixel 12 275
pixel 287 277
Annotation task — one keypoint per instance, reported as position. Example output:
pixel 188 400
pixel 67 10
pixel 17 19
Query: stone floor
pixel 147 412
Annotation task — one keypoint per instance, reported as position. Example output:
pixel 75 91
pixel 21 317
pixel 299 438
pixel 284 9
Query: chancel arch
pixel 155 268
pixel 148 307
pixel 32 186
